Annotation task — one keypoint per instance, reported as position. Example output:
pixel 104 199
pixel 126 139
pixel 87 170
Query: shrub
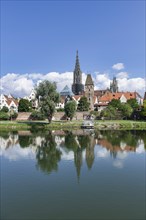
pixel 35 115
pixel 4 116
pixel 14 115
pixel 4 109
pixel 60 110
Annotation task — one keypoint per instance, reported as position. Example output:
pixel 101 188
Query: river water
pixel 73 175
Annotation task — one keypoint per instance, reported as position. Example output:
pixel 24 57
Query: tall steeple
pixel 77 87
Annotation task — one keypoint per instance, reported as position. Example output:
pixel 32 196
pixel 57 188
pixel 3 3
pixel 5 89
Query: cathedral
pixel 98 99
pixel 78 88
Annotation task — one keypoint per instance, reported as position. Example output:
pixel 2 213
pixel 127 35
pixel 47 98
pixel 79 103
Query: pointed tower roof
pixel 77 64
pixel 89 80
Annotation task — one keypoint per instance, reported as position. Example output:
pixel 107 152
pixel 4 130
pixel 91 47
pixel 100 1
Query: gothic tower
pixel 114 85
pixel 77 86
pixel 89 91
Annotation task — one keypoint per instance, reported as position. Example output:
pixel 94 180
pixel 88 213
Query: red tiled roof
pixel 108 96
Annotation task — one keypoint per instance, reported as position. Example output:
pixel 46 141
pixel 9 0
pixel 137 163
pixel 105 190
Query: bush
pixel 35 115
pixel 14 115
pixel 4 109
pixel 60 110
pixel 4 116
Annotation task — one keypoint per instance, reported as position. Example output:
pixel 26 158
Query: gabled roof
pixel 108 96
pixel 89 80
pixel 77 97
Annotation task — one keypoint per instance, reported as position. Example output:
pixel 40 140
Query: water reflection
pixel 47 155
pixel 48 148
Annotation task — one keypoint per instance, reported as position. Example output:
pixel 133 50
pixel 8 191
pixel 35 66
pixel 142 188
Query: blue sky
pixel 43 36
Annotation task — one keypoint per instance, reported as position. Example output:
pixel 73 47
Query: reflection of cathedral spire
pixel 90 153
pixel 78 161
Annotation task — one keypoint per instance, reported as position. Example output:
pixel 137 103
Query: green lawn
pixel 99 124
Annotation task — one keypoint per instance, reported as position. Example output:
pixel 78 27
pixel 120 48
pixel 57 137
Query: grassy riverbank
pixel 57 125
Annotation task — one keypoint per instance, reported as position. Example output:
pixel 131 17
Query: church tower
pixel 89 91
pixel 77 86
pixel 114 85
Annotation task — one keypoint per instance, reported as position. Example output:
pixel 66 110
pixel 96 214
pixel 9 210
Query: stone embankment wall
pixel 24 116
pixel 61 116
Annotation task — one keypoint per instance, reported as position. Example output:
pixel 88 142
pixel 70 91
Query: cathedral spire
pixel 77 86
pixel 77 64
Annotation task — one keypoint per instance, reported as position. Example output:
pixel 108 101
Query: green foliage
pixel 36 115
pixel 4 109
pixel 24 105
pixel 48 97
pixel 60 110
pixel 48 155
pixel 118 110
pixel 4 116
pixel 115 103
pixel 83 104
pixel 126 110
pixel 70 141
pixel 110 113
pixel 70 109
pixel 14 115
pixel 143 110
pixel 24 141
pixel 133 103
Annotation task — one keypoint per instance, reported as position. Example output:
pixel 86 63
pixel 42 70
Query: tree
pixel 70 109
pixel 126 110
pixel 110 112
pixel 4 109
pixel 133 103
pixel 48 155
pixel 143 110
pixel 83 104
pixel 48 97
pixel 115 103
pixel 24 105
pixel 4 116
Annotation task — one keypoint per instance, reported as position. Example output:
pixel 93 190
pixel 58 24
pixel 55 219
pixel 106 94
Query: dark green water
pixel 73 175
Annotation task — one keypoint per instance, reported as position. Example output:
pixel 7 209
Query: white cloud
pixel 102 152
pixel 118 66
pixel 102 81
pixel 17 153
pixel 20 85
pixel 118 164
pixel 122 75
pixel 133 84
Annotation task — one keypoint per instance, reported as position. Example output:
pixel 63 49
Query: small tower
pixel 114 85
pixel 77 86
pixel 89 91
